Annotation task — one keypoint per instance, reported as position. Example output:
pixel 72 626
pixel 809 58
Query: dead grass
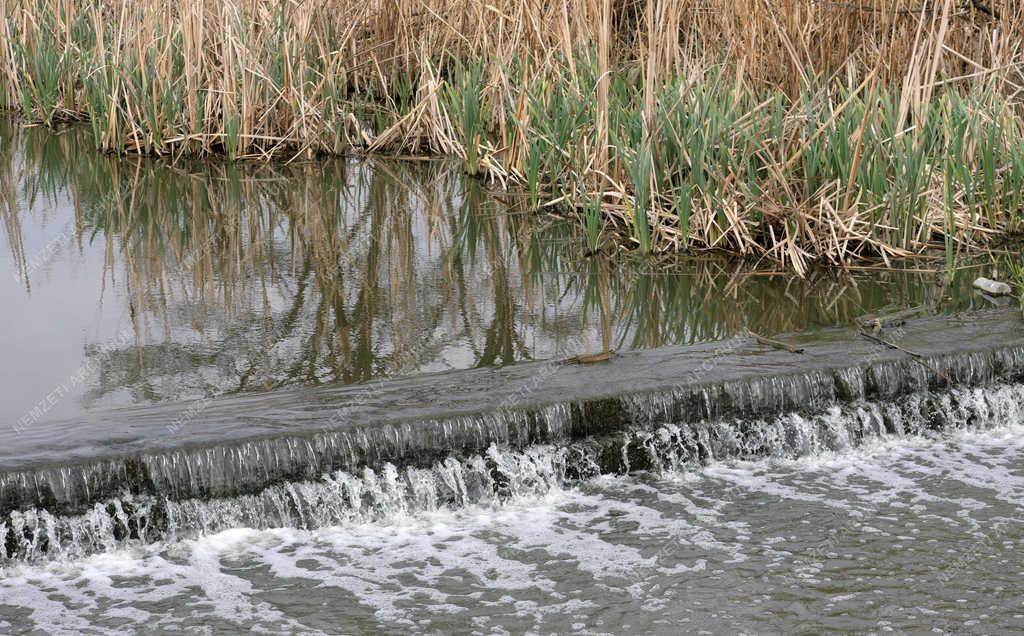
pixel 791 129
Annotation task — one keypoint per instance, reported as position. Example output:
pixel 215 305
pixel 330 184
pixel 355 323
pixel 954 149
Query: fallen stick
pixel 776 344
pixel 891 345
pixel 590 358
pixel 913 354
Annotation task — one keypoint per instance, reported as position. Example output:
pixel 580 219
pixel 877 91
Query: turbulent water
pixel 909 534
pixel 498 475
pixel 863 517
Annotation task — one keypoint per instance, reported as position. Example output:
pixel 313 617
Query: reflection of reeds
pixel 715 299
pixel 794 130
pixel 12 221
pixel 368 270
pixel 264 275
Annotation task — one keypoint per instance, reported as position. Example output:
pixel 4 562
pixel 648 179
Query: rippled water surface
pixel 905 534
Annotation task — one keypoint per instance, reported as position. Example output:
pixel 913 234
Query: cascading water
pixel 501 472
pixel 220 465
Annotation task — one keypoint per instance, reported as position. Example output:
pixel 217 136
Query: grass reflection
pixel 240 277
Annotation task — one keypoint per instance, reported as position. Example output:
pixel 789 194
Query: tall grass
pixel 800 131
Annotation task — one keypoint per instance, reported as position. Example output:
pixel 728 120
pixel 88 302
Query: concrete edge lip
pixel 241 446
pixel 459 394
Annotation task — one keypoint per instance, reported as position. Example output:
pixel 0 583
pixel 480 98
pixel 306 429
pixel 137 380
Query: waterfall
pixel 336 454
pixel 600 405
pixel 658 441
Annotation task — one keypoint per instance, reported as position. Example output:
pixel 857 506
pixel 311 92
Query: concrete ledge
pixel 239 445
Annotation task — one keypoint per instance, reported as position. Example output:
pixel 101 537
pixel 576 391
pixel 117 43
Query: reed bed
pixel 794 130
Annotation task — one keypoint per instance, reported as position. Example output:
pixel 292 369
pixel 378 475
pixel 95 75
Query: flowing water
pixel 908 534
pixel 262 293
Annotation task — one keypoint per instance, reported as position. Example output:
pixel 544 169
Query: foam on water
pixel 501 474
pixel 909 531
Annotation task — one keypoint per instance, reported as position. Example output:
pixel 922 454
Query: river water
pixel 132 282
pixel 910 535
pixel 137 283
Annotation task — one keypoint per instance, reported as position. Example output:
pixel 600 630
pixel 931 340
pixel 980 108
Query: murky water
pixel 135 283
pixel 912 534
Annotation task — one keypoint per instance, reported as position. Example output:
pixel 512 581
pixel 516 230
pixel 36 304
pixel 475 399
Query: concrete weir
pixel 320 455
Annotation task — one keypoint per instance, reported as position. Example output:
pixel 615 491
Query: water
pixel 324 479
pixel 907 534
pixel 133 282
pixel 120 466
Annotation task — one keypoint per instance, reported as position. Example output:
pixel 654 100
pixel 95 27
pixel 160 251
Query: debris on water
pixel 776 344
pixel 913 354
pixel 888 320
pixel 993 287
pixel 591 358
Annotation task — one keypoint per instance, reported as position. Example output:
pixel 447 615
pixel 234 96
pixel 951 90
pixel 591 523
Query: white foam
pixel 557 561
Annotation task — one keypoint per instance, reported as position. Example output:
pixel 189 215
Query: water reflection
pixel 197 279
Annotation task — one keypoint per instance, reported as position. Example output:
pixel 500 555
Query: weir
pixel 326 455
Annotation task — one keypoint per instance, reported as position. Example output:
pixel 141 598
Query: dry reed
pixel 790 129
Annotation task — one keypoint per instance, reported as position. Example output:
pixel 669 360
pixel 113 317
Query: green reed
pixel 826 168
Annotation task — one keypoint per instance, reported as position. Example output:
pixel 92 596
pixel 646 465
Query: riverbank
pixel 799 134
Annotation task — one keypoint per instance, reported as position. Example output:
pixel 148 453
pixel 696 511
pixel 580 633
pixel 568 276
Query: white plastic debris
pixel 993 287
